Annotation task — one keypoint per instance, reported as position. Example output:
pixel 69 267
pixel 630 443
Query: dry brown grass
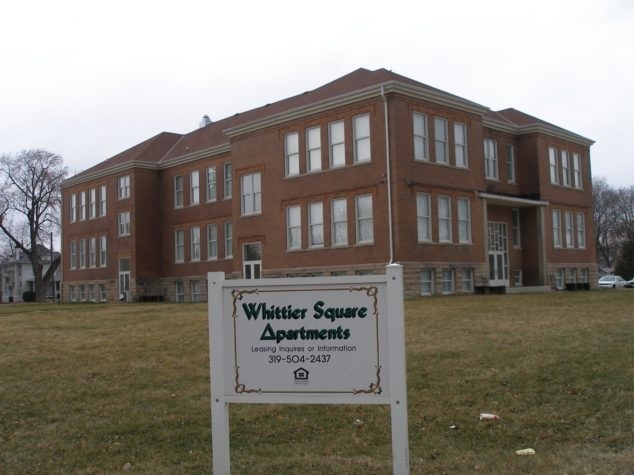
pixel 91 388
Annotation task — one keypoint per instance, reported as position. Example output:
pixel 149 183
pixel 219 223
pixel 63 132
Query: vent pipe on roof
pixel 205 122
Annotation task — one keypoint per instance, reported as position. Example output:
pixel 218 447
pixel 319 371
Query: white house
pixel 16 275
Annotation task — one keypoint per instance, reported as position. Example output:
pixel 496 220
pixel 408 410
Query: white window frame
pixel 467 280
pixel 339 208
pixel 103 251
pixel 565 168
pixel 556 228
pixel 337 144
pixel 421 136
pixel 73 254
pixel 82 253
pixel 179 191
pixel 361 138
pixel 291 153
pixel 194 187
pixel 448 281
pixel 92 203
pixel 212 191
pixel 313 149
pixel 123 220
pixel 179 245
pixel 516 232
pixel 103 200
pixel 251 194
pixel 362 218
pixel 464 220
pixel 581 230
pixel 212 242
pixel 441 141
pixel 569 228
pixel 460 133
pixel 195 294
pixel 194 234
pixel 82 205
pixel 553 165
pixel 123 187
pixel 228 240
pixel 179 291
pixel 491 171
pixel 316 224
pixel 293 227
pixel 427 282
pixel 444 219
pixel 576 171
pixel 423 217
pixel 73 207
pixel 92 251
pixel 510 163
pixel 228 180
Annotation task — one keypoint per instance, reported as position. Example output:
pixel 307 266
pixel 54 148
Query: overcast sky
pixel 88 80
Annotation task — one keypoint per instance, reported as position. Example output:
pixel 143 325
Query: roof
pixel 166 149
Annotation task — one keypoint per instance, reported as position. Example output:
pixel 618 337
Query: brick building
pixel 371 168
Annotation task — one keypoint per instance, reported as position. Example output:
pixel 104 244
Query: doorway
pixel 252 260
pixel 498 255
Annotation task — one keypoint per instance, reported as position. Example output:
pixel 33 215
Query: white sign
pixel 330 340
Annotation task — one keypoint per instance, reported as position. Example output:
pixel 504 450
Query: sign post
pixel 319 340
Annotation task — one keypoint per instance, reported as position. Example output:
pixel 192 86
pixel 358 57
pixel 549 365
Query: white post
pixel 219 405
pixel 398 378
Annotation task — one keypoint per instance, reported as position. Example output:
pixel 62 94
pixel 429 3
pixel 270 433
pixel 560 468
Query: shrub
pixel 28 296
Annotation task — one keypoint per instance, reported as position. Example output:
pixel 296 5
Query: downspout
pixel 388 177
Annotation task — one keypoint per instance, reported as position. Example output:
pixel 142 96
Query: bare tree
pixel 606 220
pixel 30 197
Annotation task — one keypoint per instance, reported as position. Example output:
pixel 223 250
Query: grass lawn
pixel 125 387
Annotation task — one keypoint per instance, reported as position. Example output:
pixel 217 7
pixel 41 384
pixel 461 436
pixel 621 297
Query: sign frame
pixel 388 387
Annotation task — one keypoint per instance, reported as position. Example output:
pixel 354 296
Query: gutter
pixel 388 177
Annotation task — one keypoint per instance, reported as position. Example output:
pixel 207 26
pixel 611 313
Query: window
pixel 565 168
pixel 559 279
pixel 124 187
pixel 73 207
pixel 291 147
pixel 556 228
pixel 195 290
pixel 440 140
pixel 447 281
pixel 423 216
pixel 427 282
pixel 82 205
pixel 71 291
pixel 124 223
pixel 510 163
pixel 227 177
pixel 313 149
pixel 251 194
pixel 554 166
pixel 515 225
pixel 228 240
pixel 212 241
pixel 444 219
pixel 315 225
pixel 576 170
pixel 584 275
pixel 339 222
pixel 460 139
pixel 361 131
pixel 421 148
pixel 211 183
pixel 103 251
pixel 179 245
pixel 517 278
pixel 571 275
pixel 179 291
pixel 570 241
pixel 82 253
pixel 194 187
pixel 337 145
pixel 103 296
pixel 365 225
pixel 490 159
pixel 178 192
pixel 92 252
pixel 82 293
pixel 293 227
pixel 102 200
pixel 92 208
pixel 464 220
pixel 467 280
pixel 581 230
pixel 195 243
pixel 91 292
pixel 73 254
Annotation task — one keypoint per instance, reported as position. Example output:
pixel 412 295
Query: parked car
pixel 611 282
pixel 629 284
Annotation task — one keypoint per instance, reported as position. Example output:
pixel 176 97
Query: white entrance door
pixel 252 260
pixel 498 255
pixel 124 278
